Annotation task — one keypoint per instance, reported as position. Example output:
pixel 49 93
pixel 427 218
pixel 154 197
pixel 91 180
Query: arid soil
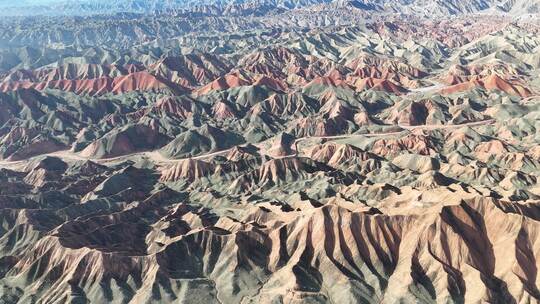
pixel 270 155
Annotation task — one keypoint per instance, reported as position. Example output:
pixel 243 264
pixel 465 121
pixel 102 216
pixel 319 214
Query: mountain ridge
pixel 265 7
pixel 271 152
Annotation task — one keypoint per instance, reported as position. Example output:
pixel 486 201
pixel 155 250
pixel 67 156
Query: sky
pixel 12 3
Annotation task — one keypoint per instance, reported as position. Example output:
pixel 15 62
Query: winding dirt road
pixel 158 158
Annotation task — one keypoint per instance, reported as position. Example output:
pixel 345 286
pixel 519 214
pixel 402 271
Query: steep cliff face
pixel 123 236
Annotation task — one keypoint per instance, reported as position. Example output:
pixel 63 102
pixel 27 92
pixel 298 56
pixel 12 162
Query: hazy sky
pixel 30 2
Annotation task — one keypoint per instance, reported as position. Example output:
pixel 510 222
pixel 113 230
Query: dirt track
pixel 157 158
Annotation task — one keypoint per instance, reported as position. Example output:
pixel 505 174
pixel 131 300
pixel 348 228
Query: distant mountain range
pixel 262 7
